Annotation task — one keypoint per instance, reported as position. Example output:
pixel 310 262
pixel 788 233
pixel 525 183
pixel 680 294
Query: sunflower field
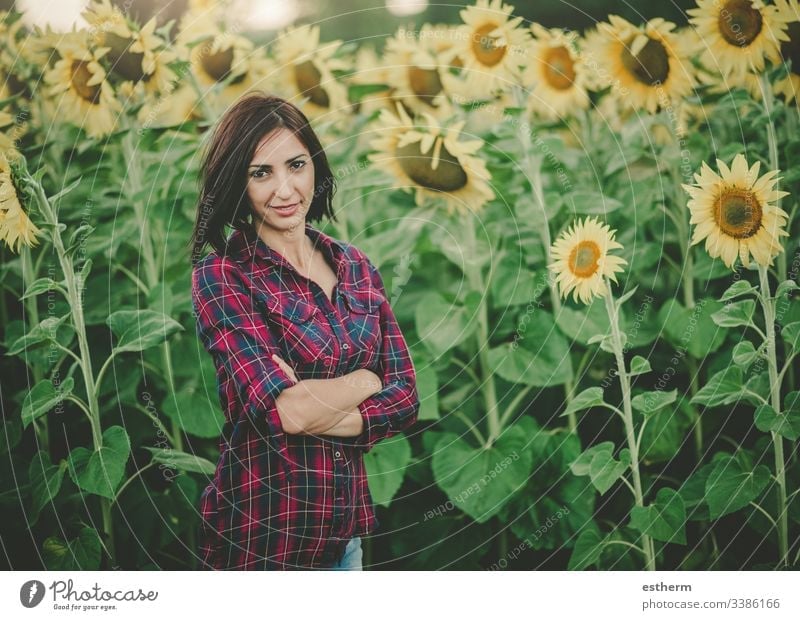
pixel 589 239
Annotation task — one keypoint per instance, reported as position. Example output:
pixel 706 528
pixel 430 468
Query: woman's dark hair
pixel 223 193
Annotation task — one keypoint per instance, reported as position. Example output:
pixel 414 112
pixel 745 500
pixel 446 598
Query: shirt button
pixel 337 454
pixel 345 346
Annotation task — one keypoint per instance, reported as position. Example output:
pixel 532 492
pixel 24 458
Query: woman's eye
pixel 298 164
pixel 258 174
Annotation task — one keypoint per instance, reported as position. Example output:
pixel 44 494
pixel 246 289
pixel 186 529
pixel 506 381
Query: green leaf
pixel 648 402
pixel 442 325
pixel 604 471
pixel 693 492
pixel 639 366
pixel 664 519
pixel 791 335
pixel 693 330
pixel 100 472
pixel 786 424
pixel 480 481
pixel 605 340
pixel 43 397
pixel 195 410
pixel 582 324
pixel 744 354
pixel 626 296
pixel 43 285
pixel 45 331
pixel 540 358
pixel 428 390
pixel 581 465
pixel 737 289
pixel 591 397
pixel 137 330
pixel 356 92
pixel 45 479
pixel 730 487
pixel 600 465
pixel 723 388
pixel 386 466
pixel 664 433
pixel 735 314
pixel 182 460
pixel 588 202
pixel 587 550
pixel 785 287
pixel 81 553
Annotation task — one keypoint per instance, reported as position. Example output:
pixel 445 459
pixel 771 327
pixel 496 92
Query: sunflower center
pixel 308 77
pixel 739 23
pixel 790 50
pixel 425 84
pixel 487 50
pixel 737 212
pixel 80 78
pixel 217 65
pixel 583 260
pixel 651 65
pixel 126 64
pixel 449 176
pixel 559 70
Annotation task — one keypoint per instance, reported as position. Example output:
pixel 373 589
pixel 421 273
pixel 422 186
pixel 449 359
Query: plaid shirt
pixel 281 501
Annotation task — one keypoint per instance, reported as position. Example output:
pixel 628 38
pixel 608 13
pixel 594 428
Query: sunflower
pixel 136 55
pixel 307 69
pixel 555 74
pixel 644 66
pixel 739 35
pixel 414 69
pixel 789 86
pixel 77 82
pixel 431 160
pixel 11 130
pixel 173 107
pixel 370 70
pixel 15 226
pixel 489 45
pixel 581 259
pixel 734 212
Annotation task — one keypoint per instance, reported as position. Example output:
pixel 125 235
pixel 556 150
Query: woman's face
pixel 280 181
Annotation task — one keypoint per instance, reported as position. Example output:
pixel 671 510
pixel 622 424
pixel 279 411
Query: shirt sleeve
pixel 233 329
pixel 395 407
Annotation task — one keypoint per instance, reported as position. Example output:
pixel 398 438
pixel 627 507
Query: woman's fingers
pixel 285 367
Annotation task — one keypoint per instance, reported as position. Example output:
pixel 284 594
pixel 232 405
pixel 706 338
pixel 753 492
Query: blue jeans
pixel 351 560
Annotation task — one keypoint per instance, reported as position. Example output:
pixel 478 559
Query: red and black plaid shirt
pixel 281 501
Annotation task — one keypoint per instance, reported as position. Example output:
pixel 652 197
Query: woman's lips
pixel 287 210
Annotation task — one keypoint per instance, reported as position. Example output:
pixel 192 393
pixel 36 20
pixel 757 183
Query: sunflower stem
pixel 75 298
pixel 768 306
pixel 630 434
pixel 486 376
pixel 40 425
pixel 533 171
pixel 134 181
pixel 772 141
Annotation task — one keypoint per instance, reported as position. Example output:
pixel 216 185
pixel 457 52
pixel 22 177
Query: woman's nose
pixel 285 188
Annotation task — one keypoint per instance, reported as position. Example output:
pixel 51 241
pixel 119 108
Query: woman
pixel 311 366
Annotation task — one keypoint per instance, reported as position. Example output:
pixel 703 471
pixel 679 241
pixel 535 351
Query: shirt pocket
pixel 299 331
pixel 363 324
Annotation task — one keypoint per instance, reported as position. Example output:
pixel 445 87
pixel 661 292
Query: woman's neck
pixel 294 245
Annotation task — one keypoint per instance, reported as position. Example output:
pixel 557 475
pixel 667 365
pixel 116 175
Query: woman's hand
pixel 285 368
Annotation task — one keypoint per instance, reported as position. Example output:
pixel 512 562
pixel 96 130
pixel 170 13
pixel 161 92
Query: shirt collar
pixel 245 246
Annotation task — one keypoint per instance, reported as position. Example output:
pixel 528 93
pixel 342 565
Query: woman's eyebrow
pixel 288 161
